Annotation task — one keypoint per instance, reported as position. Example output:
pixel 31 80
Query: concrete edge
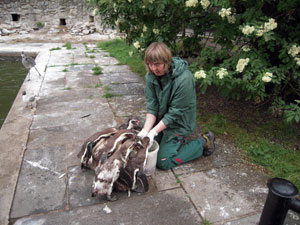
pixel 14 135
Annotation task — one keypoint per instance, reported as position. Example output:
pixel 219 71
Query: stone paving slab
pixel 58 58
pixel 127 89
pixel 121 78
pixel 168 208
pixel 165 180
pixel 104 61
pixel 250 219
pixel 129 105
pixel 67 95
pixel 55 113
pixel 225 193
pixel 82 68
pixel 82 58
pixel 115 69
pixel 224 155
pixel 41 186
pixel 81 82
pixel 59 135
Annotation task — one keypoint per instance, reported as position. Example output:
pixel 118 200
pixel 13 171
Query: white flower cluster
pixel 144 28
pixel 241 64
pixel 131 53
pixel 156 31
pixel 136 45
pixel 227 13
pixel 221 73
pixel 200 74
pixel 117 22
pixel 260 32
pixel 267 77
pixel 129 1
pixel 191 3
pixel 247 30
pixel 95 11
pixel 204 3
pixel 268 26
pixel 246 49
pixel 294 51
pixel 231 19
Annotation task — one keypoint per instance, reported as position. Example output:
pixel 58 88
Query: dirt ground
pixel 247 114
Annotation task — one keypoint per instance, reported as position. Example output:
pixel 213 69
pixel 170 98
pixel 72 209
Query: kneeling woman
pixel 171 108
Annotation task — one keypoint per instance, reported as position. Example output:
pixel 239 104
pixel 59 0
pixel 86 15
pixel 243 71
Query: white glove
pixel 151 136
pixel 143 133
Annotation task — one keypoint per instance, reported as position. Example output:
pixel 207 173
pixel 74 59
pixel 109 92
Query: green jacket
pixel 172 99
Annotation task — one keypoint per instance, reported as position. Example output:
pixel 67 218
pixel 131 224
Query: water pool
pixel 12 75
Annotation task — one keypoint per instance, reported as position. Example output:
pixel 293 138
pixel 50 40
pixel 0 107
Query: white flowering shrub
pixel 248 50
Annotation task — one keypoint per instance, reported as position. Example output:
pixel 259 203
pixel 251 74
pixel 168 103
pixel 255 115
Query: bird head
pixel 134 124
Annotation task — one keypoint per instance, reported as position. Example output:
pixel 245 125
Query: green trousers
pixel 177 151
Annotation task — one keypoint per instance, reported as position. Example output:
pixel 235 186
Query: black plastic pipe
pixel 281 197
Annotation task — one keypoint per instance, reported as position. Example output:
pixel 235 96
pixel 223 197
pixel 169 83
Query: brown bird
pixel 135 165
pixel 102 151
pixel 98 143
pixel 108 172
pixel 99 138
pixel 132 124
pixel 107 153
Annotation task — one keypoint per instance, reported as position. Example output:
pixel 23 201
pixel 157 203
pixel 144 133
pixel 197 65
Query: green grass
pixel 68 45
pixel 90 51
pixel 107 88
pixel 39 25
pixel 97 70
pixel 178 181
pixel 206 222
pixel 64 70
pixel 53 49
pixel 120 50
pixel 98 85
pixel 109 95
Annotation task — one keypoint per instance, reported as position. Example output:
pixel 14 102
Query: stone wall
pixel 28 15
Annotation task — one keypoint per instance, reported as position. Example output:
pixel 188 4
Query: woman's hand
pixel 151 136
pixel 143 133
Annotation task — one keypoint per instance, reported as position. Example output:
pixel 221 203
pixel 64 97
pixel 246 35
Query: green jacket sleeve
pixel 182 99
pixel 151 98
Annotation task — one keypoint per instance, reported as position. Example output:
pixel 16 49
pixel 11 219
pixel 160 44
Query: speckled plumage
pixel 97 138
pixel 108 172
pixel 118 158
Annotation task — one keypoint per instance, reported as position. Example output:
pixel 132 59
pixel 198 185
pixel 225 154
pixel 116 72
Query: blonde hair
pixel 158 52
